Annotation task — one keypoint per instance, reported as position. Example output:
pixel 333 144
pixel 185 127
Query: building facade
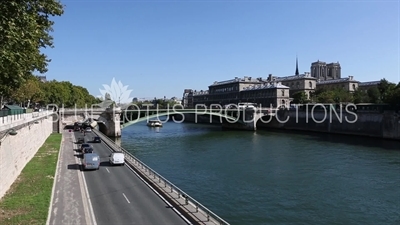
pixel 246 89
pixel 302 82
pixel 364 86
pixel 275 90
pixel 323 71
pixel 348 84
pixel 42 78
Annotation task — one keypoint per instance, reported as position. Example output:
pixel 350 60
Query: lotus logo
pixel 116 92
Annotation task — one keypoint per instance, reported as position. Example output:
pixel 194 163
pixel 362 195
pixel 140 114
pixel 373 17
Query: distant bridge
pixel 156 113
pixel 112 120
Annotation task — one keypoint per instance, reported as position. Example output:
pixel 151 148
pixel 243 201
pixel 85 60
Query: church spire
pixel 297 67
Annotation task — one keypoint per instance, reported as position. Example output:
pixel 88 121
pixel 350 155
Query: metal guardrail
pixel 163 181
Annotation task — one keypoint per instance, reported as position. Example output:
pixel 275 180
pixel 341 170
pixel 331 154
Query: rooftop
pixel 369 83
pixel 237 80
pixel 341 80
pixel 265 86
pixel 295 77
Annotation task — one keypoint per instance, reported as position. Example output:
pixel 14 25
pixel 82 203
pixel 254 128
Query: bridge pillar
pixel 112 122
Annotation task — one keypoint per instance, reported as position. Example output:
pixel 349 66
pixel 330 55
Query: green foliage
pixel 386 90
pixel 333 96
pixel 374 95
pixel 53 92
pixel 300 98
pixel 24 30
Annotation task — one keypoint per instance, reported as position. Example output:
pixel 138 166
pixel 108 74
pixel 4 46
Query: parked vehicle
pixel 91 161
pixel 97 139
pixel 117 158
pixel 88 130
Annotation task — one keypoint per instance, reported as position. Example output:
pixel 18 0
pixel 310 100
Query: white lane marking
pixel 107 170
pixel 126 198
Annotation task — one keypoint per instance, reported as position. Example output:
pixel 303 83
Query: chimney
pixel 350 77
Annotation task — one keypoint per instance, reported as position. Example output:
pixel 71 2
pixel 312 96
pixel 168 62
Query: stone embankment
pixel 372 124
pixel 17 150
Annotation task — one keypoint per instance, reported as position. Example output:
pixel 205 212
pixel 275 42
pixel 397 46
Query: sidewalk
pixel 69 201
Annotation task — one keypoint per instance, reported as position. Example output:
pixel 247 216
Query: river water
pixel 271 177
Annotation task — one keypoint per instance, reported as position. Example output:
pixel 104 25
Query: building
pixel 323 71
pixel 42 78
pixel 348 84
pixel 246 89
pixel 275 90
pixel 187 98
pixel 364 86
pixel 300 82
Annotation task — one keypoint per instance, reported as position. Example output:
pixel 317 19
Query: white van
pixel 117 158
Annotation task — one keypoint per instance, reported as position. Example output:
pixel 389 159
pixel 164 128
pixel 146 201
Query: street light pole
pixel 11 132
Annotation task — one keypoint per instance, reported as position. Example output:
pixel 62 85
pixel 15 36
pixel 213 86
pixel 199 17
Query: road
pixel 118 196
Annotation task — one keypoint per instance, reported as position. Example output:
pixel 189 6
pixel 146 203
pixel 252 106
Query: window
pixel 310 84
pixel 354 87
pixel 283 92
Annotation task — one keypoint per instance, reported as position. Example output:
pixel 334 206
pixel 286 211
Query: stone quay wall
pixel 384 125
pixel 17 150
pixel 372 124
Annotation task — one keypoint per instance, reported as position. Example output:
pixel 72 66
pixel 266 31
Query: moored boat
pixel 154 123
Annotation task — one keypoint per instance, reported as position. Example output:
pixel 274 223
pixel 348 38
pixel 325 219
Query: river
pixel 275 177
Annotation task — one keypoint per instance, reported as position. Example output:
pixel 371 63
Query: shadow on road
pixel 74 167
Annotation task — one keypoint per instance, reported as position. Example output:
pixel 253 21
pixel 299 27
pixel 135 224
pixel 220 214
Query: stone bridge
pixel 112 120
pixel 108 119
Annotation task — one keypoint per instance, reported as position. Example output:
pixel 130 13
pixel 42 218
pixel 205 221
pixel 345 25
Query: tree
pixel 360 96
pixel 385 88
pixel 374 95
pixel 28 91
pixel 300 98
pixel 24 30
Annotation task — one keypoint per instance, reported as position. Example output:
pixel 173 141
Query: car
pixel 87 150
pixel 97 139
pixel 91 161
pixel 88 129
pixel 80 141
pixel 117 158
pixel 85 145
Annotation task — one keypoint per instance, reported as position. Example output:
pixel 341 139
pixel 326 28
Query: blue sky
pixel 159 48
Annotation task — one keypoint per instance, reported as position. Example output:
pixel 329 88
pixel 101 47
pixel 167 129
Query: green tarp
pixel 14 109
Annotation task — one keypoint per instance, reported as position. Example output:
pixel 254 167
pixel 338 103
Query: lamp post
pixel 11 132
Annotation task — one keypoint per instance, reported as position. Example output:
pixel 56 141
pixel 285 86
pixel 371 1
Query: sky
pixel 160 48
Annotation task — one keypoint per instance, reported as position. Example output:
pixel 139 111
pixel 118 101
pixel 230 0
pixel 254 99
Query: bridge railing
pixel 11 120
pixel 163 183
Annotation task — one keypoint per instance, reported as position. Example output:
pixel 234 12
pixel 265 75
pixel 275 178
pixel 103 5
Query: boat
pixel 154 123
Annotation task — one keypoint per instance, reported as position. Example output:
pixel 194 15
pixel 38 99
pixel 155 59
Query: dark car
pixel 80 141
pixel 85 145
pixel 87 150
pixel 97 139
